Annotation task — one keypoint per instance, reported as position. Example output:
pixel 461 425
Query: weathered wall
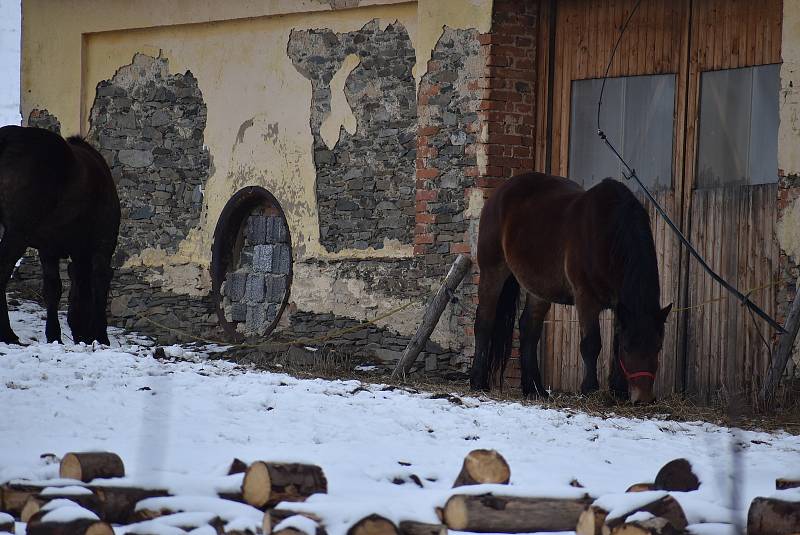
pixel 191 102
pixel 789 168
pixel 365 177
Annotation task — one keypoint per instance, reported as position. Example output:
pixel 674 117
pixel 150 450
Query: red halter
pixel 634 375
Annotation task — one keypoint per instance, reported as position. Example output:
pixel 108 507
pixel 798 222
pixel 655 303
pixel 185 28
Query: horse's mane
pixel 79 140
pixel 633 248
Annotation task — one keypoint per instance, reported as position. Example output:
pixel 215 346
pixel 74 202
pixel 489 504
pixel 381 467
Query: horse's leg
pixel 78 310
pixel 591 342
pixel 11 249
pixel 101 282
pixel 617 383
pixel 489 288
pixel 51 286
pixel 530 330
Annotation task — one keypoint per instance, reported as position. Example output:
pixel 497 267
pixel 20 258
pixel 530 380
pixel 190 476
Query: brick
pixel 235 285
pixel 254 290
pixel 427 195
pixel 460 248
pixel 423 238
pixel 426 218
pixel 427 174
pixel 262 258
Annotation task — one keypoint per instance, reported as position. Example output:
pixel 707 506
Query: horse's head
pixel 640 338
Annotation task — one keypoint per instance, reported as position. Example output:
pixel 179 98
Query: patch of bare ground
pixel 454 386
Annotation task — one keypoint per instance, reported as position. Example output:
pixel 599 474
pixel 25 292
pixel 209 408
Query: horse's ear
pixel 665 312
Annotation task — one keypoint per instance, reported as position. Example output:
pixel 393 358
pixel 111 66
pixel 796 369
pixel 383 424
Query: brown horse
pixel 592 249
pixel 58 197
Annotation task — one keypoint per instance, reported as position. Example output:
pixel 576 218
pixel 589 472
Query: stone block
pixel 237 312
pixel 263 258
pixel 276 230
pixel 431 362
pixel 281 259
pixel 254 289
pixel 257 229
pixel 135 158
pixel 275 288
pixel 256 322
pixel 235 284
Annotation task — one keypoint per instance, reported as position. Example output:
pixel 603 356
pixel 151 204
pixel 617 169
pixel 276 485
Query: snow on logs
pixel 6 523
pixel 266 484
pixel 91 465
pixel 489 513
pixel 483 466
pixel 65 517
pixel 610 513
pixel 777 515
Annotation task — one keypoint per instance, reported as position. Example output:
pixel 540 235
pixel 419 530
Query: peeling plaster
pixel 324 290
pixel 341 115
pixel 788 230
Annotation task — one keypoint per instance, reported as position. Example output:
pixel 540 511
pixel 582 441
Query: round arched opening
pixel 251 264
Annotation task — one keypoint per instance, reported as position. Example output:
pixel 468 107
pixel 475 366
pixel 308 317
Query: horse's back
pixel 523 229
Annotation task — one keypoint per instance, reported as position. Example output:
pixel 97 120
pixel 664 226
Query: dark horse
pixel 58 197
pixel 562 244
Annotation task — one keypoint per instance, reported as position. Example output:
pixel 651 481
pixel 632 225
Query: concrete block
pixel 254 290
pixel 263 258
pixel 235 285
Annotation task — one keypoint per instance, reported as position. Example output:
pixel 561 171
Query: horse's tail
pixel 501 337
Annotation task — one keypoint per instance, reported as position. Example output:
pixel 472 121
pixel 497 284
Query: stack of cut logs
pixel 86 501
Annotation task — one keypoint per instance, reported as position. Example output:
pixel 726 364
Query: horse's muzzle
pixel 642 394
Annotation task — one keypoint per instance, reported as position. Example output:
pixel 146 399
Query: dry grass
pixel 332 365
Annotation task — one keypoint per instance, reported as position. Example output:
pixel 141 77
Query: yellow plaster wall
pixel 258 104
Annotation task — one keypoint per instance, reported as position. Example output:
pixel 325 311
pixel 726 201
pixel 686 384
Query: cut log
pixel 267 484
pixel 641 487
pixel 237 467
pixel 373 525
pixel 652 526
pixel 409 527
pixel 457 272
pixel 770 516
pixel 300 525
pixel 86 499
pixel 273 517
pixel 83 526
pixel 117 504
pixel 591 521
pixel 15 497
pixel 783 484
pixel 677 476
pixel 665 507
pixel 483 466
pixel 32 506
pixel 91 465
pixel 511 514
pixel 7 524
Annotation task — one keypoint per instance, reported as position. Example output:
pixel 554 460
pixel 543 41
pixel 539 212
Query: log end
pixel 483 466
pixel 455 515
pixel 373 525
pixel 641 487
pixel 677 476
pixel 256 485
pixel 591 521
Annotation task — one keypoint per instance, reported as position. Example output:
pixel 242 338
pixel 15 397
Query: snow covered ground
pixel 179 422
pixel 9 61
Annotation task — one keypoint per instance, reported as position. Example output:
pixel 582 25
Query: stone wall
pixel 148 124
pixel 788 269
pixel 365 180
pixel 254 292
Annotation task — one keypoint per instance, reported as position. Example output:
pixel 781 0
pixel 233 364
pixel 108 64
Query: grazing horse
pixel 58 196
pixel 563 244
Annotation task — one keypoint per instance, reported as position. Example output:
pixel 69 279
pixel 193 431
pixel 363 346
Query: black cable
pixel 632 174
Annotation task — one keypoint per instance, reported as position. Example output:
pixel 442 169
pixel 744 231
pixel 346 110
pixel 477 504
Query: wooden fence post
pixel 457 272
pixel 783 353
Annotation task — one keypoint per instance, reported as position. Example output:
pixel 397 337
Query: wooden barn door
pixel 732 169
pixel 637 108
pixel 691 101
